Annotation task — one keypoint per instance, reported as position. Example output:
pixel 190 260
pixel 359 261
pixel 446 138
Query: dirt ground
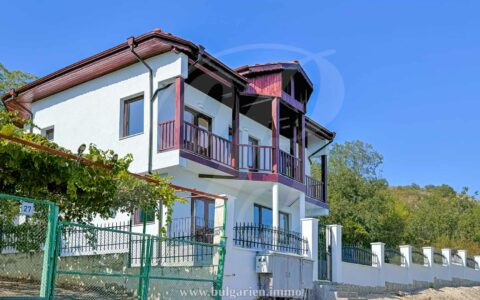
pixel 447 293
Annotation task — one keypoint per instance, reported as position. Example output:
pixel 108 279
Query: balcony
pixel 191 228
pixel 251 158
pixel 269 238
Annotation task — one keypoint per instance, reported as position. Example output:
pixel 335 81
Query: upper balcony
pixel 207 147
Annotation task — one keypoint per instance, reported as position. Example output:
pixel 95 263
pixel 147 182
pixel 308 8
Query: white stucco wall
pixel 90 112
pixel 360 274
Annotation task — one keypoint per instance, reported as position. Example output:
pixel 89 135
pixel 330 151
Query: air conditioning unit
pixel 284 273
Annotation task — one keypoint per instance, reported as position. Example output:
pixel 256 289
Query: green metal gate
pixel 94 262
pixel 324 253
pixel 27 240
pixel 42 258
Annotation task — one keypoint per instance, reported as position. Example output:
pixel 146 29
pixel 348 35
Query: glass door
pixel 197 132
pixel 203 214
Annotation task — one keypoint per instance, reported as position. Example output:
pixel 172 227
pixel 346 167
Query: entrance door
pixel 203 214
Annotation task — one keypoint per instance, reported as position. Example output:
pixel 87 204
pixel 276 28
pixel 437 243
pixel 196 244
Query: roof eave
pixel 320 130
pixel 177 43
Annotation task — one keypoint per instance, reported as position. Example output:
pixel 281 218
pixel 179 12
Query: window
pixel 49 133
pixel 140 216
pixel 132 122
pixel 263 216
pixel 203 218
pixel 253 153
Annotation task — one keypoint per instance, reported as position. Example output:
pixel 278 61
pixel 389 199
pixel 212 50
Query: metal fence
pixel 456 259
pixel 472 264
pixel 393 256
pixel 324 253
pixel 27 235
pixel 439 258
pixel 102 262
pixel 192 228
pixel 44 260
pixel 359 255
pixel 419 258
pixel 269 238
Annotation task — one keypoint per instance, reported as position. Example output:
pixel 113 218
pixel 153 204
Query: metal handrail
pixel 249 235
pixel 439 258
pixel 359 255
pixel 419 258
pixel 314 188
pixel 393 256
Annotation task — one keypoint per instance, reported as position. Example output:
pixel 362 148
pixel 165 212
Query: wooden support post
pixel 179 111
pixel 301 148
pixel 324 178
pixel 275 134
pixel 235 128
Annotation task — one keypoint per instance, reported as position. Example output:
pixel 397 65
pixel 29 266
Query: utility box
pixel 279 272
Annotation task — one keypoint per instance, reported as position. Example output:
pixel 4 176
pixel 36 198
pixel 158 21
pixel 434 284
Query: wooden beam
pixel 212 74
pixel 179 111
pixel 88 162
pixel 257 102
pixel 210 176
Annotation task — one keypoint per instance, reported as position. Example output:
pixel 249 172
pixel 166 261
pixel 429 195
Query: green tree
pixel 371 211
pixel 12 79
pixel 359 197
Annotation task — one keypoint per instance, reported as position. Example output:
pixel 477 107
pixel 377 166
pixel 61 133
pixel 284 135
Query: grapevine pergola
pixel 83 185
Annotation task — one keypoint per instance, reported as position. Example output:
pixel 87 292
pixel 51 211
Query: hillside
pixel 370 210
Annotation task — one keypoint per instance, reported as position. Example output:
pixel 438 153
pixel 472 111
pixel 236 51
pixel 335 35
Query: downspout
pixel 318 150
pixel 131 43
pixel 152 95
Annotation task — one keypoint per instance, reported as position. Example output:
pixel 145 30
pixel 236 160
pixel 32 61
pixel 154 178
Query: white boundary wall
pixel 408 273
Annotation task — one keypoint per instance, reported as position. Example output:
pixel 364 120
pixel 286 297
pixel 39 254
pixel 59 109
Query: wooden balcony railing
pixel 314 188
pixel 205 143
pixel 166 135
pixel 289 166
pixel 255 158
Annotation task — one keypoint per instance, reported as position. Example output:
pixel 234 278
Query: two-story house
pixel 183 113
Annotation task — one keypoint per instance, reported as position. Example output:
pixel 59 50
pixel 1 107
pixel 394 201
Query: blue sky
pixel 400 75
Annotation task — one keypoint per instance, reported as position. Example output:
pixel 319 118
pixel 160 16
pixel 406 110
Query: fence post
pixel 334 238
pixel 447 253
pixel 406 251
pixel 220 239
pixel 310 233
pixel 429 253
pixel 477 260
pixel 463 256
pixel 379 250
pixel 46 287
